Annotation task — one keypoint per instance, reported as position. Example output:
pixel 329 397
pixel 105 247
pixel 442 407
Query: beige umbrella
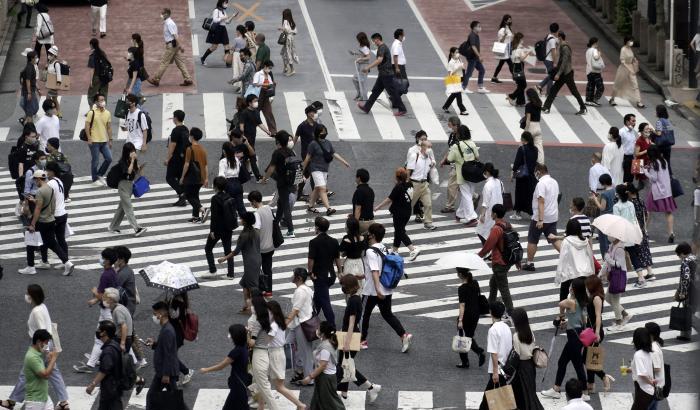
pixel 466 260
pixel 619 228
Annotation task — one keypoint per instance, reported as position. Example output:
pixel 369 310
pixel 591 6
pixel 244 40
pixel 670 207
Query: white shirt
pixel 225 169
pixel 39 319
pixel 491 194
pixel 642 365
pixel 592 54
pixel 55 68
pixel 134 129
pixel 218 16
pixel 58 195
pixel 505 35
pixel 420 165
pixel 397 50
pixel 547 188
pixel 629 138
pixel 47 127
pixel 301 301
pixel 259 77
pixel 577 404
pixel 552 43
pixel 43 20
pixel 325 355
pixel 499 341
pixel 612 160
pixel 169 30
pixel 594 173
pixel 373 262
pixel 696 41
pixel 657 359
pixel 277 335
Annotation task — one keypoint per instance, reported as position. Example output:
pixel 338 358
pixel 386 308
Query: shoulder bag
pixel 523 171
pixel 472 171
pixel 507 198
pixel 277 237
pixel 617 278
pixel 194 172
pixel 282 39
pixel 309 327
pixel 83 134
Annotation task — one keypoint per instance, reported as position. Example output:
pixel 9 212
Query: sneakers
pixel 447 210
pixel 114 231
pixel 482 90
pixel 373 392
pixel 430 227
pixel 364 345
pixel 496 80
pixel 102 180
pixel 298 377
pixel 551 393
pixel 97 183
pixel 516 217
pixel 585 397
pixel 626 319
pixel 650 276
pixel 418 219
pixel 68 268
pixel 140 231
pixel 42 265
pixel 29 270
pixel 399 113
pixel 188 377
pixel 205 215
pixel 582 111
pixel 617 327
pixel 529 266
pixel 414 254
pixel 406 342
pixel 267 294
pixel 140 384
pixel 290 234
pixel 640 284
pixel 141 364
pixel 83 368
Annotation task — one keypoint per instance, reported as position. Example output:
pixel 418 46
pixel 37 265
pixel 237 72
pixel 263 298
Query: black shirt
pixel 250 120
pixel 364 198
pixel 29 73
pixel 110 365
pixel 385 67
pixel 25 154
pixel 534 112
pixel 353 307
pixel 239 368
pixel 279 156
pixel 324 250
pixel 180 136
pixel 475 41
pixel 400 200
pixel 352 248
pixel 305 132
pixel 135 65
pixel 469 295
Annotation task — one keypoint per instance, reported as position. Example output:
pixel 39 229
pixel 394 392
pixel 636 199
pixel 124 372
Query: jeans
pixel 235 190
pixel 125 207
pixel 322 299
pixel 359 79
pixel 567 79
pixel 400 235
pixel 471 64
pixel 55 381
pixel 97 169
pixel 571 353
pixel 48 237
pixel 192 195
pixel 212 239
pixel 136 88
pixel 361 379
pixel 499 283
pixel 548 80
pixel 284 208
pixel 385 82
pixel 368 304
pixel 594 87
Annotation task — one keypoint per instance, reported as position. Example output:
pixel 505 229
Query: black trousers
pixel 519 94
pixel 571 353
pixel 48 237
pixel 500 65
pixel 61 222
pixel 361 379
pixel 400 235
pixel 192 195
pixel 284 208
pixel 369 303
pixel 567 79
pixel 156 386
pixel 385 82
pixel 627 168
pixel 37 50
pixel 26 9
pixel 594 87
pixel 266 275
pixel 452 97
pixel 110 402
pixel 490 386
pixel 67 180
pixel 212 239
pixel 173 174
pixel 475 346
pixel 235 190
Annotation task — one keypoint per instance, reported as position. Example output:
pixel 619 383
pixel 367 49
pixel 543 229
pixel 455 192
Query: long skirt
pixel 325 396
pixel 524 188
pixel 525 387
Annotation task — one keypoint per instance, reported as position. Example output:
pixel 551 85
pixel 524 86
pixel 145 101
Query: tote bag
pixel 595 358
pixel 461 344
pixel 501 398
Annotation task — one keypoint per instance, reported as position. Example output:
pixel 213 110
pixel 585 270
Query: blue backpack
pixel 392 269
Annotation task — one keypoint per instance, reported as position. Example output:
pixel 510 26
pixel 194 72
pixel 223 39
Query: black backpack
pixel 13 163
pixel 149 131
pixel 105 71
pixel 126 377
pixel 64 67
pixel 230 215
pixel 293 170
pixel 114 176
pixel 541 49
pixel 466 50
pixel 512 249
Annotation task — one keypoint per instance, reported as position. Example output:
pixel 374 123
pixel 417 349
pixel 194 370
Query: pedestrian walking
pixel 60 213
pixel 468 295
pixel 595 171
pixel 421 137
pixel 545 207
pixel 626 85
pixel 615 259
pixel 471 51
pixel 129 169
pixel 265 82
pixel 301 311
pixel 219 229
pixel 455 68
pixel 262 53
pixel 551 56
pixel 374 293
pixel 26 155
pixel 218 34
pixel 594 310
pixel 284 176
pixel 523 172
pixel 533 115
pixel 289 49
pixel 110 369
pixel 564 75
pixel 246 72
pixel 419 167
pixel 359 79
pixel 604 200
pixel 657 359
pixel 39 319
pixel 48 126
pixel 172 52
pixel 575 258
pixel 613 154
pixel 574 396
pixel 44 30
pixel 398 60
pixel 136 72
pixel 318 158
pixel 517 65
pixel 576 208
pixel 259 327
pixel 499 345
pixel 37 369
pixel 363 200
pixel 101 71
pixel 686 290
pixel 195 174
pixel 629 138
pixel 641 146
pixel 571 315
pixel 324 253
pixel 53 67
pixel 491 194
pixel 594 69
pixel 625 208
pixel 643 370
pixel 306 131
pixel 264 220
pixel 399 201
pixel 175 158
pixel 494 244
pixel 27 6
pixel 664 137
pixel 165 360
pixel 127 281
pixel 504 35
pixel 247 245
pixel 642 257
pixel 239 44
pixel 659 198
pixel 385 79
pixel 352 246
pixel 524 383
pixel 178 310
pixel 30 185
pixel 324 377
pixel 239 379
pixel 29 93
pixel 250 36
pixel 136 124
pixel 98 17
pixel 249 123
pixel 98 130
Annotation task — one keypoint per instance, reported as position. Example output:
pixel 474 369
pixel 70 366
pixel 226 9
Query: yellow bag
pixel 501 398
pixel 452 79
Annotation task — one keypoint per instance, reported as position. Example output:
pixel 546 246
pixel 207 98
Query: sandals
pixel 8 404
pixel 330 211
pixel 312 210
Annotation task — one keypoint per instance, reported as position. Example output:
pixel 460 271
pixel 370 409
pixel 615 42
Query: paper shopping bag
pixel 33 238
pixel 595 357
pixel 501 398
pixel 354 341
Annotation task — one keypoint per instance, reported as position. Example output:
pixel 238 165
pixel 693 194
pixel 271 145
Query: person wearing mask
pixel 385 79
pixel 27 147
pixel 136 72
pixel 237 358
pixel 39 319
pixel 419 166
pixel 232 168
pixel 398 61
pixel 533 115
pixel 264 219
pixel 324 252
pixel 65 174
pixel 363 200
pixel 612 157
pixel 129 170
pixel 564 75
pixel 218 230
pixel 249 123
pixel 575 258
pixel 110 368
pixel 641 147
pixel 289 49
pixel 660 198
pixel 136 124
pixel 552 54
pixel 44 30
pixel 576 208
pixel 545 207
pixel 98 129
pixel 517 60
pixel 571 316
pixel 412 160
pixel 615 258
pixel 643 370
pixel 595 171
pixel 594 310
pixel 30 184
pixel 468 295
pixel 463 151
pixel 285 186
pixel 318 158
pixel 604 201
pixel 60 214
pixel 301 311
pixel 374 294
pixel 685 292
pixel 352 247
pixel 172 52
pixel 505 35
pixel 127 281
pixel 98 62
pixel 663 134
pixel 248 245
pixel 29 93
pixel 218 34
pixel 523 172
pixel 574 396
pixel 121 319
pixel 657 358
pixel 454 124
pixel 53 67
pixel 196 154
pixel 359 79
pixel 264 79
pixel 175 159
pixel 625 208
pixel 165 361
pixel 259 327
pixel 37 370
pixel 306 132
pixel 455 68
pixel 524 383
pixel 239 44
pixel 594 70
pixel 491 194
pixel 494 244
pixel 643 255
pixel 626 85
pixel 324 375
pixel 179 307
pixel 246 73
pixel 628 135
pixel 399 201
pixel 471 50
pixel 498 346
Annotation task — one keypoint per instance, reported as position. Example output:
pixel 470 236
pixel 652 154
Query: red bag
pixel 191 326
pixel 637 165
pixel 596 266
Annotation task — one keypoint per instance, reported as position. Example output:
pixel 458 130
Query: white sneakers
pixel 42 265
pixel 551 393
pixel 482 90
pixel 406 342
pixel 29 270
pixel 68 268
pixel 374 392
pixel 414 254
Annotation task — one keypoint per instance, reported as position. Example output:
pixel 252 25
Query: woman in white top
pixel 38 319
pixel 505 35
pixel 261 334
pixel 642 370
pixel 491 194
pixel 594 70
pixel 464 150
pixel 518 56
pixel 43 33
pixel 229 168
pixel 275 351
pixel 455 68
pixel 325 382
pixel 54 68
pixel 218 34
pixel 657 357
pixel 239 43
pixel 575 258
pixel 289 49
pixel 302 310
pixel 359 79
pixel 524 384
pixel 613 155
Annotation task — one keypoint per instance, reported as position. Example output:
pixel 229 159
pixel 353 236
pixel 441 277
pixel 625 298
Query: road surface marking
pixel 509 115
pixel 214 116
pixel 426 116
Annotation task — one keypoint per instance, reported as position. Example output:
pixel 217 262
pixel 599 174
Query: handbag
pixel 32 238
pixel 141 186
pixel 472 171
pixel 681 318
pixel 310 326
pixel 252 89
pixel 401 85
pixel 207 23
pixel 194 172
pixel 190 327
pixel 277 237
pixel 518 72
pixel 282 39
pixel 587 336
pixel 348 367
pixel 595 358
pixel 461 344
pixel 501 398
pixel 617 280
pixel 511 366
pixel 483 305
pixel 676 188
pixel 453 84
pixel 499 47
pixel 523 122
pixel 168 400
pixel 507 198
pixel 354 341
pixel 523 171
pixel 667 137
pixel 540 357
pixel 637 165
pixel 122 108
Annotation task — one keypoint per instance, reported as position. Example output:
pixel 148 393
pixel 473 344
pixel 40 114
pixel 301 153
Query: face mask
pixel 314 117
pixel 162 17
pixel 318 113
pixel 101 104
pixel 28 299
pixel 155 319
pixel 456 56
pixel 537 176
pixel 225 6
pixel 46 348
pixel 255 104
pixel 318 334
pixel 228 335
pixel 42 163
pixel 478 29
pixel 108 305
pixel 630 43
pixel 130 57
pixel 404 39
pixel 36 61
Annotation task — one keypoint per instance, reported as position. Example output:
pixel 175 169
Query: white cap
pixel 53 50
pixel 27 51
pixel 39 173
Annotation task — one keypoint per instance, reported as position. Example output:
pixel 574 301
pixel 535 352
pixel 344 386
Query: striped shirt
pixel 585 225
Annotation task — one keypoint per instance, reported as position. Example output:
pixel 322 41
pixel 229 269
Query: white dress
pixel 491 194
pixel 612 160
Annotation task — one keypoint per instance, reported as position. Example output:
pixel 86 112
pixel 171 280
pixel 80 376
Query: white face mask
pixel 318 113
pixel 255 104
pixel 28 299
pixel 630 43
pixel 404 39
pixel 314 116
pixel 101 261
pixel 456 56
pixel 229 336
pixel 46 348
pixel 101 104
pixel 478 29
pixel 155 319
pixel 162 16
pixel 646 133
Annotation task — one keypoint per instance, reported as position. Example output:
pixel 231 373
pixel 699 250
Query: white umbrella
pixel 466 260
pixel 619 228
pixel 170 277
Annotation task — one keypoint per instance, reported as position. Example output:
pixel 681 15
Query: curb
pixel 644 71
pixel 7 38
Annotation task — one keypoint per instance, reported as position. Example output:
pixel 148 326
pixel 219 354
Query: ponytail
pixel 327 331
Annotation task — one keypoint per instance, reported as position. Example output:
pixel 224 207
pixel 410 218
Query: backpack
pixel 466 50
pixel 667 137
pixel 126 377
pixel 114 176
pixel 149 131
pixel 541 49
pixel 392 268
pixel 512 249
pixel 230 217
pixel 293 170
pixel 105 72
pixel 64 67
pixel 190 327
pixel 13 162
pixel 123 296
pixel 327 155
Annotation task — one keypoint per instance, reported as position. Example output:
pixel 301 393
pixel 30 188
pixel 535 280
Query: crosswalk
pixel 491 117
pixel 212 399
pixel 170 237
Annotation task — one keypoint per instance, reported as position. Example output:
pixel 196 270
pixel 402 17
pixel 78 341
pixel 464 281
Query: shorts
pixel 320 178
pixel 278 362
pixel 533 234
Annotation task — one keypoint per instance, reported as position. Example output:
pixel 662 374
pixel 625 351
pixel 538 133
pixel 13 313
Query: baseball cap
pixel 39 173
